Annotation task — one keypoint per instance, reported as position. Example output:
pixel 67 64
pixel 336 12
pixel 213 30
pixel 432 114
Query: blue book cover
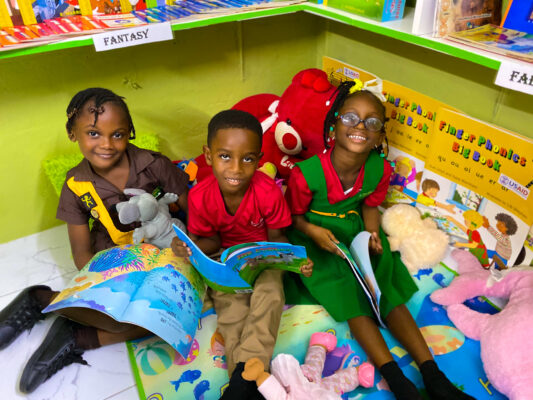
pixel 519 16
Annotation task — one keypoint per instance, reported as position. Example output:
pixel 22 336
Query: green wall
pixel 172 89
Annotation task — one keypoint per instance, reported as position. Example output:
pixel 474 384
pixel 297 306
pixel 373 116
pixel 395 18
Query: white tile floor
pixel 44 258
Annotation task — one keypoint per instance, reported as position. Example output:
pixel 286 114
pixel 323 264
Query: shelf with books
pixel 177 25
pixel 400 30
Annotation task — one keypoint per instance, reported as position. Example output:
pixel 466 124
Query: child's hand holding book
pixel 374 244
pixel 180 249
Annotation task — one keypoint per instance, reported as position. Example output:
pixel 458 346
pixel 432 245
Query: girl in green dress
pixel 335 196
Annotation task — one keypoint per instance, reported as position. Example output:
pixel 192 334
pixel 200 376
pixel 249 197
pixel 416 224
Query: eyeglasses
pixel 351 119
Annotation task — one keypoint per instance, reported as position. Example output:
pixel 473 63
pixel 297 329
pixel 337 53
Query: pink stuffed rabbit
pixel 506 338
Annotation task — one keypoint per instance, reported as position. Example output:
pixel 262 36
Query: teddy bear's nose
pixel 290 141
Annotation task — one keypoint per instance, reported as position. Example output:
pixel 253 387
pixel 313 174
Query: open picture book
pixel 141 285
pixel 240 265
pixel 358 259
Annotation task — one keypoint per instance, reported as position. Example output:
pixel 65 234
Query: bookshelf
pixel 399 30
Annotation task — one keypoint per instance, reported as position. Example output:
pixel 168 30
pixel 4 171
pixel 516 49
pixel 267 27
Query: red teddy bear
pixel 293 123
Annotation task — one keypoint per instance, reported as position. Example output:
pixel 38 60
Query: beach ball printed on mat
pixel 193 353
pixel 442 339
pixel 155 358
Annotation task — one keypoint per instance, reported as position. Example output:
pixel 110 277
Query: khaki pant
pixel 249 322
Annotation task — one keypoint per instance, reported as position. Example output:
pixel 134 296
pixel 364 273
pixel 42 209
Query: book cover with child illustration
pixel 475 186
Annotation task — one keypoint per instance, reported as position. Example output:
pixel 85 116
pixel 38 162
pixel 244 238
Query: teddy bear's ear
pixel 321 84
pixel 316 79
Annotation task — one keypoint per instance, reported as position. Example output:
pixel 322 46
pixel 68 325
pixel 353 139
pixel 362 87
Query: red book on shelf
pixel 7 40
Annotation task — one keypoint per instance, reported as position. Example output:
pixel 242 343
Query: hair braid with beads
pixel 343 93
pixel 100 96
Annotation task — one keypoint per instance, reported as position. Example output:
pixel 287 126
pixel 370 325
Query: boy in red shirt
pixel 239 204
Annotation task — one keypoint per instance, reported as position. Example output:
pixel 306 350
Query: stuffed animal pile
pixel 506 338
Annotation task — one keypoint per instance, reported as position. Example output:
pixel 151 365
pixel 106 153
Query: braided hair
pixel 343 94
pixel 100 96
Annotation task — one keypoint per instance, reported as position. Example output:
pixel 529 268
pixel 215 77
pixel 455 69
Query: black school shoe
pixel 239 388
pixel 57 351
pixel 21 314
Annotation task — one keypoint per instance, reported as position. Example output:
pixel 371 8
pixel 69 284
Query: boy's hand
pixel 324 239
pixel 307 269
pixel 179 248
pixel 374 244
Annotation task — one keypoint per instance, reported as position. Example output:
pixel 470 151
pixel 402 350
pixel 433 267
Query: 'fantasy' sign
pixel 132 36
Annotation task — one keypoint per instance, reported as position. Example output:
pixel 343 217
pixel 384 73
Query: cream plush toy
pixel 419 241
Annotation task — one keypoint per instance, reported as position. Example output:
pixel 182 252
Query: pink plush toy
pixel 506 338
pixel 290 381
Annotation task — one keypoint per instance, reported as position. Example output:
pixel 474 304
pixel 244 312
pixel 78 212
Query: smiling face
pixel 103 144
pixel 234 154
pixel 358 139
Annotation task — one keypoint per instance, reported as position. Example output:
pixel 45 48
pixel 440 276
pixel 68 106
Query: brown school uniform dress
pixel 148 171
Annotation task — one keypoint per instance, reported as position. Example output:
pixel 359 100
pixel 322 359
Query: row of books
pixel 495 39
pixel 444 17
pixel 471 177
pixel 54 29
pixel 29 12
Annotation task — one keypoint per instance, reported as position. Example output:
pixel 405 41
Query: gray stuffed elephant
pixel 156 222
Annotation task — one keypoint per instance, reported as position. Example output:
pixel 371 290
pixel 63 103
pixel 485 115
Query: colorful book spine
pixel 85 7
pixel 5 19
pixel 26 11
pixel 125 6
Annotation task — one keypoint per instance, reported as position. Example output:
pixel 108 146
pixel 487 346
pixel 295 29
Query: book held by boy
pixel 240 265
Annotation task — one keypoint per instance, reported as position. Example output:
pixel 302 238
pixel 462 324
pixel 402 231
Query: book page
pixel 141 285
pixel 250 259
pixel 169 302
pixel 109 281
pixel 359 250
pixel 369 291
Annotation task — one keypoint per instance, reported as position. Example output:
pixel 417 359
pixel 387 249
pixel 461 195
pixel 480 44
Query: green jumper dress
pixel 332 283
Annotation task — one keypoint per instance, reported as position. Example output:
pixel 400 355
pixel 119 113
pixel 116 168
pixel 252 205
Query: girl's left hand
pixel 307 269
pixel 375 244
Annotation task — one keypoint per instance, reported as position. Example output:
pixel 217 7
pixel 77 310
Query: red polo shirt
pixel 263 207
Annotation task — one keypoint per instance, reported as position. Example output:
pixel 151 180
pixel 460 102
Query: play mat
pixel 162 374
